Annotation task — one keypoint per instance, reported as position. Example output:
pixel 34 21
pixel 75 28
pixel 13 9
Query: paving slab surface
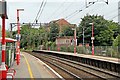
pixel 30 67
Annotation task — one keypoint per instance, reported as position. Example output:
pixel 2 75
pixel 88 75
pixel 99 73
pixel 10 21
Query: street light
pixel 83 36
pixel 92 38
pixel 18 38
pixel 3 15
pixel 74 39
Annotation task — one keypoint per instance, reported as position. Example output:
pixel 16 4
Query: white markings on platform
pixel 58 75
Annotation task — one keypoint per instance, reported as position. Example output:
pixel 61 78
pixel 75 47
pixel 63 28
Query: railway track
pixel 87 68
pixel 72 70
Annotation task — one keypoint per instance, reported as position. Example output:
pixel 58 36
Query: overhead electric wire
pixel 77 11
pixel 39 11
pixel 86 8
pixel 56 10
pixel 113 11
pixel 65 9
pixel 80 17
pixel 114 17
pixel 74 13
pixel 42 10
pixel 71 13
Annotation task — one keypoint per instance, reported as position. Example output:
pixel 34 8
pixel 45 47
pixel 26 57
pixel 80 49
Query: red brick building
pixel 63 23
pixel 64 41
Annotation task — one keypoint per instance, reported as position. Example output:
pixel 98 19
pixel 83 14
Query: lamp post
pixel 58 44
pixel 83 36
pixel 3 14
pixel 18 38
pixel 74 39
pixel 92 38
pixel 4 71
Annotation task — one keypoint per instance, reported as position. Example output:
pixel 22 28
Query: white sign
pixel 92 38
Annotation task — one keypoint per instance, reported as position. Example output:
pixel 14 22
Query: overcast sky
pixel 56 9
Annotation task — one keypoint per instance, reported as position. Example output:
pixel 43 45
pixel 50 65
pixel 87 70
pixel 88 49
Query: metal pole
pixel 57 44
pixel 59 47
pixel 92 39
pixel 10 30
pixel 4 70
pixel 17 48
pixel 83 36
pixel 75 41
pixel 18 36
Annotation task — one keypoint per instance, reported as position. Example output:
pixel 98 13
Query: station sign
pixel 92 38
pixel 18 36
pixel 3 8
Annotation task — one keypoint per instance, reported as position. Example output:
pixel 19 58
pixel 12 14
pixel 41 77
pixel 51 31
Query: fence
pixel 106 51
pixel 10 53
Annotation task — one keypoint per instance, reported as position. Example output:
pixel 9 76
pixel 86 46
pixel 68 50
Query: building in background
pixel 65 41
pixel 62 23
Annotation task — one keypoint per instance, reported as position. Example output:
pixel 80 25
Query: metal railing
pixel 106 51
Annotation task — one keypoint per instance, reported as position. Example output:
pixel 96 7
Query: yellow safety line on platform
pixel 29 69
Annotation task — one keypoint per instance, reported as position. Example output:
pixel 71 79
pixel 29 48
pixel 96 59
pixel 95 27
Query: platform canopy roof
pixel 8 40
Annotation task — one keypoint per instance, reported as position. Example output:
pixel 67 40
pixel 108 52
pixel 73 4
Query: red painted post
pixel 92 39
pixel 58 44
pixel 18 35
pixel 75 41
pixel 4 70
pixel 17 47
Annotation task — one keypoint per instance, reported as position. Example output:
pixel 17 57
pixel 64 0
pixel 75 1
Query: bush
pixel 67 49
pixel 71 49
pixel 82 50
pixel 53 46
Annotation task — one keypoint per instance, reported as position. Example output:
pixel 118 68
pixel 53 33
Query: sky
pixel 57 9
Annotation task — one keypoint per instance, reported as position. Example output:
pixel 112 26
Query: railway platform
pixel 32 68
pixel 107 63
pixel 107 59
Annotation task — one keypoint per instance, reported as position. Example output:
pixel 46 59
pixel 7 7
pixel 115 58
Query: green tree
pixel 54 31
pixel 8 34
pixel 114 27
pixel 117 41
pixel 103 30
pixel 68 31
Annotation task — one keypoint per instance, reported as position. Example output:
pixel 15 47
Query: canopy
pixel 8 40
